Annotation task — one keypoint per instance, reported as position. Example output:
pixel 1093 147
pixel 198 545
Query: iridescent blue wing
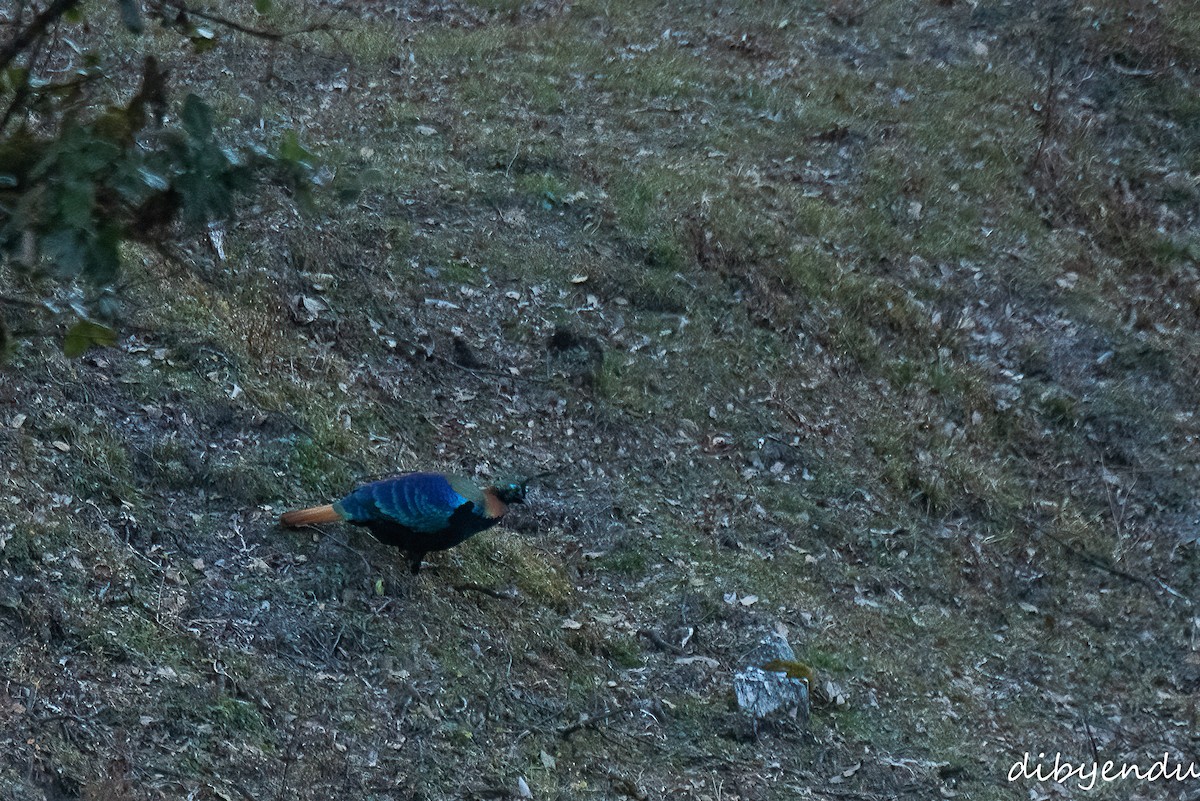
pixel 423 502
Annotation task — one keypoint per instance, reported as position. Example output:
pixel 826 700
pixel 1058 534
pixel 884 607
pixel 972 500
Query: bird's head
pixel 514 491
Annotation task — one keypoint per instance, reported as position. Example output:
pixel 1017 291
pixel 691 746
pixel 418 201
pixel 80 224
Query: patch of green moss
pixel 627 559
pixel 624 651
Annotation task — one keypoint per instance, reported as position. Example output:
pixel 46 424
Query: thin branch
pixel 657 639
pixel 273 36
pixel 482 372
pixel 40 23
pixel 212 782
pixel 854 794
pixel 343 544
pixel 21 93
pixel 29 304
pixel 471 586
pixel 591 721
pixel 1100 564
pixel 1049 120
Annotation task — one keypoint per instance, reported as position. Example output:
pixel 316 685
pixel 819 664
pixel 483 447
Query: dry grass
pixel 861 324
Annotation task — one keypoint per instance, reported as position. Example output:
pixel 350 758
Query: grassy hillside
pixel 874 323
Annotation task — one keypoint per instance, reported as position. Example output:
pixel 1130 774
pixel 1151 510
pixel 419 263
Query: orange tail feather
pixel 309 517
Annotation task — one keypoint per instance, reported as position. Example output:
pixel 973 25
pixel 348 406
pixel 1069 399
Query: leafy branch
pixel 209 16
pixel 74 187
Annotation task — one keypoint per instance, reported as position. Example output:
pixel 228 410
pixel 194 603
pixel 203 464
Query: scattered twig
pixel 471 586
pixel 838 793
pixel 183 777
pixel 1116 504
pixel 1091 742
pixel 61 718
pixel 590 721
pixel 657 639
pixel 1049 120
pixel 343 544
pixel 289 758
pixel 21 94
pixel 28 304
pixel 331 651
pixel 480 372
pixel 513 160
pixel 487 704
pixel 1167 588
pixel 1132 71
pixel 41 22
pixel 1100 564
pixel 499 214
pixel 626 786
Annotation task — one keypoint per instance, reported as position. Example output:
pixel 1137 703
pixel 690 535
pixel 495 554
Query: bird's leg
pixel 414 561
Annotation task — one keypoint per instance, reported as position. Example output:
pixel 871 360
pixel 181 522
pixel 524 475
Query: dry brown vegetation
pixel 878 322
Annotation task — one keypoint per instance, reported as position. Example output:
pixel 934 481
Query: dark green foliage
pixel 77 181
